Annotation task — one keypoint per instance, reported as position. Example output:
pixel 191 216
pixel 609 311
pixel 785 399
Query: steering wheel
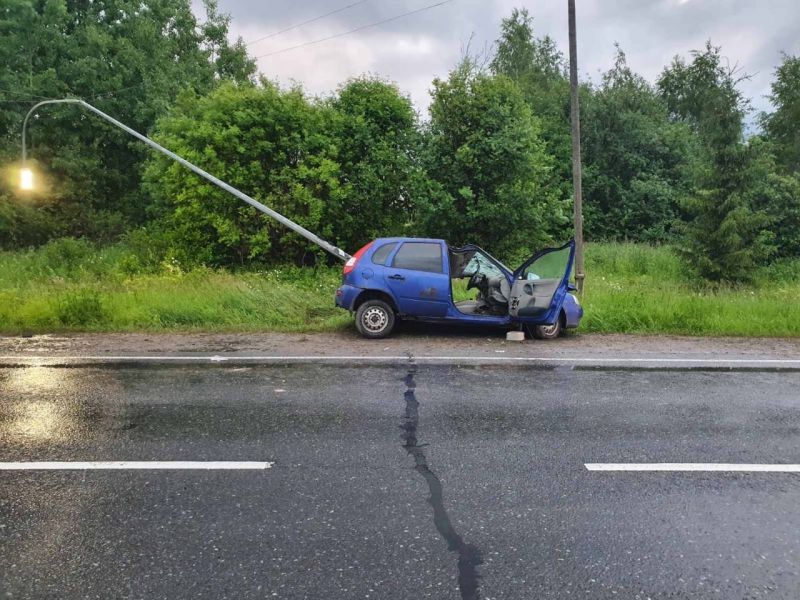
pixel 476 281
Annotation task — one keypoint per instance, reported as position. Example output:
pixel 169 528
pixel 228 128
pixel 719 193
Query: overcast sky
pixel 413 50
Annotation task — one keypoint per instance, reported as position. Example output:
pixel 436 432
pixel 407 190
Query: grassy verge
pixel 640 289
pixel 69 286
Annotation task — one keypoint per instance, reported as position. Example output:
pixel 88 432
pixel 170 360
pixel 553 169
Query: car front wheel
pixel 375 319
pixel 547 332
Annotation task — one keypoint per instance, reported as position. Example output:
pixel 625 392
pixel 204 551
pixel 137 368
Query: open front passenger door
pixel 540 285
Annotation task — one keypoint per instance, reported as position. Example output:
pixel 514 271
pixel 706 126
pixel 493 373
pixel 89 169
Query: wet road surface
pixel 407 481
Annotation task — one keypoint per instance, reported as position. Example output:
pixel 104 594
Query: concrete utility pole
pixel 575 117
pixel 28 175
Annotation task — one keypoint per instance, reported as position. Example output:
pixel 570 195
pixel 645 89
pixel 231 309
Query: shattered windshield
pixel 481 264
pixel 465 263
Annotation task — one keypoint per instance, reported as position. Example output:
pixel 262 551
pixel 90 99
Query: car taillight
pixel 351 264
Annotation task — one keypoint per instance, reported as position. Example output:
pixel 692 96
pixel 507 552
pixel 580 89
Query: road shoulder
pixel 580 350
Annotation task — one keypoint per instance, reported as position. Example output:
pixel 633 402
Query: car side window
pixel 419 256
pixel 382 254
pixel 552 265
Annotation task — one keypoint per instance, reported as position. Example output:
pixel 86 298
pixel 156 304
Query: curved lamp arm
pixel 337 252
pixel 28 116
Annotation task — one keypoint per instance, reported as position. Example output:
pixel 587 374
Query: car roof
pixel 378 242
pixel 407 239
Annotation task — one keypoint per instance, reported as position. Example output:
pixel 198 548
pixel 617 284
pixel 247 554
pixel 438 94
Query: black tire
pixel 375 319
pixel 548 332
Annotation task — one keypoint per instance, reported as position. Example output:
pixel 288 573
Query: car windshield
pixel 464 263
pixel 480 263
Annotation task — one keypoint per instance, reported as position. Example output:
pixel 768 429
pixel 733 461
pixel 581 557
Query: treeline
pixel 664 163
pixel 127 57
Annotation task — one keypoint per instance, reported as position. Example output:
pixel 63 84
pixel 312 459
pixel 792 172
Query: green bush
pixel 486 153
pixel 65 256
pixel 344 168
pixel 143 251
pixel 80 308
pixel 23 224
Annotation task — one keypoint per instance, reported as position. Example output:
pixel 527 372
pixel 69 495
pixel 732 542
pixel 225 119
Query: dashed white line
pixel 124 465
pixel 695 467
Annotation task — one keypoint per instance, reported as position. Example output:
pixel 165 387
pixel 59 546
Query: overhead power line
pixel 309 21
pixel 102 95
pixel 363 27
pixel 36 98
pixel 33 97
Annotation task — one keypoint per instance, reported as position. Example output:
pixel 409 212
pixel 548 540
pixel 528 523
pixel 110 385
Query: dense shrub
pixel 23 224
pixel 345 169
pixel 487 156
pixel 81 308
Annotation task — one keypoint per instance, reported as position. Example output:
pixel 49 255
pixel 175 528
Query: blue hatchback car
pixel 413 278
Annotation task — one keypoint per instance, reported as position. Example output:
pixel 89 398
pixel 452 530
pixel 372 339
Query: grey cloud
pixel 414 50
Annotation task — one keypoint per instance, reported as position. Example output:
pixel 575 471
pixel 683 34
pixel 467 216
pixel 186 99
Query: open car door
pixel 540 285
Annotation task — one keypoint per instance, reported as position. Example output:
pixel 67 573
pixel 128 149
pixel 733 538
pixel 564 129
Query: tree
pixel 378 151
pixel 346 168
pixel 129 58
pixel 782 127
pixel 540 70
pixel 637 162
pixel 270 143
pixel 727 237
pixel 486 153
pixel 775 194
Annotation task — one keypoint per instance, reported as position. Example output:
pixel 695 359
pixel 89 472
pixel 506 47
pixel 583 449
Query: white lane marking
pixel 124 465
pixel 696 467
pixel 284 358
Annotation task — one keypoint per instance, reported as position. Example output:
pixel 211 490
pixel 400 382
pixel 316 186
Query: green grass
pixel 640 289
pixel 70 286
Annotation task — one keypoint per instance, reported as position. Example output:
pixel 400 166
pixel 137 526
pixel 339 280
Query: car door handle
pixel 398 277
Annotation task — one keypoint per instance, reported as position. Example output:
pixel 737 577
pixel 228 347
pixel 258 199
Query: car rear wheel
pixel 375 319
pixel 548 332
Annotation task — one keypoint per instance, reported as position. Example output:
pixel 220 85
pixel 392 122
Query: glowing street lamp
pixel 26 179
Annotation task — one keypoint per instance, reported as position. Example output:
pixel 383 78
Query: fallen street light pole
pixel 27 175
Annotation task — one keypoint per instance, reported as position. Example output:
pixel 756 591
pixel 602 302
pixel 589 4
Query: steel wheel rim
pixel 549 329
pixel 374 319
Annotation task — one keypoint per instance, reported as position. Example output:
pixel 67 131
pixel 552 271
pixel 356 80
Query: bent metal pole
pixel 337 252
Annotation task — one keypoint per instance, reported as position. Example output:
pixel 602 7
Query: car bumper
pixel 573 312
pixel 345 296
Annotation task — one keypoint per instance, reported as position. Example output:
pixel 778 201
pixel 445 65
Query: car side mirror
pixel 571 288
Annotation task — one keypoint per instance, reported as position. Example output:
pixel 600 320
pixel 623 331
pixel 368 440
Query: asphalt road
pixel 407 481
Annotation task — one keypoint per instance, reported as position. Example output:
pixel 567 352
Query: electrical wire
pixel 309 21
pixel 363 27
pixel 117 91
pixel 33 97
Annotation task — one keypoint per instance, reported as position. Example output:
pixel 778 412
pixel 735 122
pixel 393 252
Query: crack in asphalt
pixel 469 556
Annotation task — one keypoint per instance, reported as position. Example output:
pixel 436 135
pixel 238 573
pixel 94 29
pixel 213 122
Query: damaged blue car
pixel 414 278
